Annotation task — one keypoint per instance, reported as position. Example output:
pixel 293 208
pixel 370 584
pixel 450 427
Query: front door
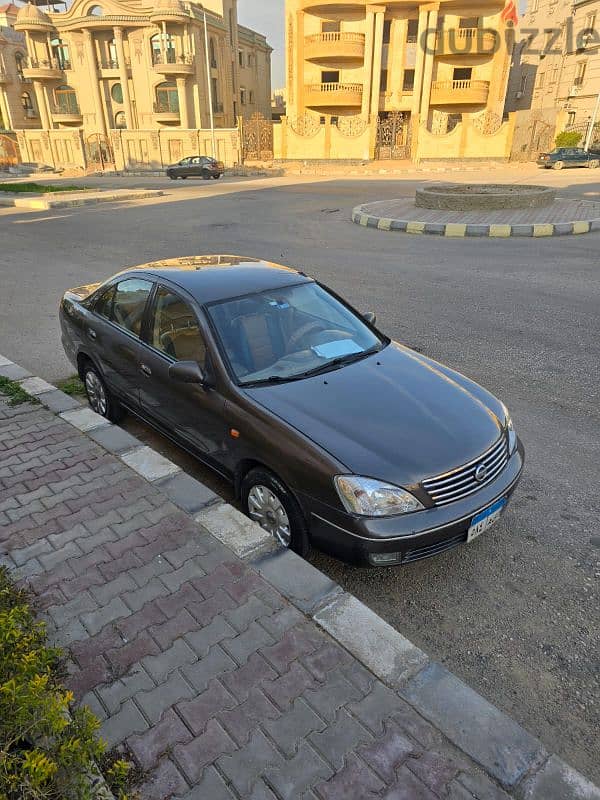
pixel 113 334
pixel 192 413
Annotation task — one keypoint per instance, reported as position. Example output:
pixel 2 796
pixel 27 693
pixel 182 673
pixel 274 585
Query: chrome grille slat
pixel 461 482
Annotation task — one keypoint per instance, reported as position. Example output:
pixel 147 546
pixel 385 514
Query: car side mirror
pixel 371 317
pixel 187 372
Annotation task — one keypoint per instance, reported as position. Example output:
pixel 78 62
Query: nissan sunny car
pixel 332 434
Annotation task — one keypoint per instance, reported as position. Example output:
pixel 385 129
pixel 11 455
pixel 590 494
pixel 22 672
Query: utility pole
pixel 209 81
pixel 588 138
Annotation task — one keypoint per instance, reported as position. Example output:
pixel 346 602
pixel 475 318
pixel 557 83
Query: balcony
pixel 171 64
pixel 45 69
pixel 329 8
pixel 456 42
pixel 335 47
pixel 111 65
pixel 333 95
pixel 167 112
pixel 459 93
pixel 67 115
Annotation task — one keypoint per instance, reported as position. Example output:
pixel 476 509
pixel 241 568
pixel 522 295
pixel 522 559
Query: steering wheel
pixel 302 331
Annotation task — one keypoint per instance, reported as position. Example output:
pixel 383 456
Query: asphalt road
pixel 516 614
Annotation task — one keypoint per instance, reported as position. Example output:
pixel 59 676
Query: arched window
pixel 116 92
pixel 113 58
pixel 160 42
pixel 20 63
pixel 120 120
pixel 96 11
pixel 66 100
pixel 167 98
pixel 26 102
pixel 60 53
pixel 212 53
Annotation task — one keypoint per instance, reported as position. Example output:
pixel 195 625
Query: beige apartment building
pixel 398 79
pixel 17 108
pixel 555 75
pixel 137 85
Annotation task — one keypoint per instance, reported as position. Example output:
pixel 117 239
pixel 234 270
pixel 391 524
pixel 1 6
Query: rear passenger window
pixel 103 305
pixel 129 304
pixel 175 329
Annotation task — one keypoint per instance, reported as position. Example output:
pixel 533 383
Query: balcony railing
pixel 113 63
pixel 466 41
pixel 334 94
pixel 335 46
pixel 171 58
pixel 166 107
pixel 462 91
pixel 48 63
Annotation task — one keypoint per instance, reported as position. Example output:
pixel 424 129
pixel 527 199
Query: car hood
pixel 396 415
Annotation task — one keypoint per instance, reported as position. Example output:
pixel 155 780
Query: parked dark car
pixel 563 157
pixel 204 166
pixel 332 434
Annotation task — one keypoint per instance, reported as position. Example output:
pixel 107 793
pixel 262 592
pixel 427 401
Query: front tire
pixel 99 397
pixel 206 175
pixel 269 503
pixel 170 175
pixel 216 177
pixel 594 163
pixel 558 165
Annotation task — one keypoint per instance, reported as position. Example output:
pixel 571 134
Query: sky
pixel 268 17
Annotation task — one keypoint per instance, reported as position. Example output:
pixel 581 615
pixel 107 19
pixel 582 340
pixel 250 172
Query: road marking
pixel 40 219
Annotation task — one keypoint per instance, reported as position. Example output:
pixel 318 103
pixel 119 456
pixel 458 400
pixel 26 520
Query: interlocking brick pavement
pixel 218 686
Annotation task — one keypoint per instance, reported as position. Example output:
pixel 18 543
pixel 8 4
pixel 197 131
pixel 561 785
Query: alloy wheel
pixel 96 393
pixel 267 509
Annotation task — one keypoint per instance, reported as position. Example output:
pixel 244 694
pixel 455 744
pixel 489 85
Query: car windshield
pixel 290 333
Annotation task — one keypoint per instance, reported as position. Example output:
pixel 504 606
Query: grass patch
pixel 48 748
pixel 38 188
pixel 15 394
pixel 72 386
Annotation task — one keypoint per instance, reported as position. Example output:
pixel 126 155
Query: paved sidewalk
pixel 220 686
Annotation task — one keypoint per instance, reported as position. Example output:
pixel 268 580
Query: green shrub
pixel 568 139
pixel 47 748
pixel 15 394
pixel 71 386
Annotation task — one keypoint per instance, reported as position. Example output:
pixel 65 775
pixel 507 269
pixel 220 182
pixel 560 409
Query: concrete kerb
pixel 45 202
pixel 510 755
pixel 463 230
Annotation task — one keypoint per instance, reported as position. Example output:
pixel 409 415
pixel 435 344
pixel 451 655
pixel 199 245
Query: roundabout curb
pixel 463 229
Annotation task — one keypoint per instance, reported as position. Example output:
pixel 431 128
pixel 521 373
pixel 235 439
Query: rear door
pixel 113 335
pixel 196 165
pixel 194 414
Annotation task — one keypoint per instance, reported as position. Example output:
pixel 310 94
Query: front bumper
pixel 411 536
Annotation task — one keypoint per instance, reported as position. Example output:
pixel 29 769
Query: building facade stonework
pixel 107 74
pixel 398 79
pixel 555 74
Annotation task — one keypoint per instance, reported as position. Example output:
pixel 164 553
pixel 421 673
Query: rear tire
pixel 172 177
pixel 558 165
pixel 594 163
pixel 270 503
pixel 183 177
pixel 206 175
pixel 99 397
pixel 216 177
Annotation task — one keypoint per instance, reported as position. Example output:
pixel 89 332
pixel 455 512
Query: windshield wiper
pixel 339 362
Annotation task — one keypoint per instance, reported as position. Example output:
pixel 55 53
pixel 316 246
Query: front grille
pixel 428 550
pixel 461 482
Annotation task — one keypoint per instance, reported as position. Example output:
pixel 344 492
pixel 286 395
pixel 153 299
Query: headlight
pixel 510 430
pixel 372 498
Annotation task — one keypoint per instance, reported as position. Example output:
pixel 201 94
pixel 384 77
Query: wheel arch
pixel 246 465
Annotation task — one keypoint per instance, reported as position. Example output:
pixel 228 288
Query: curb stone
pixel 467 229
pixel 510 755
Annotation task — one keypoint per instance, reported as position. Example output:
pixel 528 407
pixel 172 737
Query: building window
pixel 66 100
pixel 330 26
pixel 19 63
pixel 167 97
pixel 580 73
pixel 96 11
pixel 384 80
pixel 251 97
pixel 462 74
pixel 412 31
pixel 241 58
pixel 113 60
pixel 27 105
pixel 408 82
pixel 120 120
pixel 541 78
pixel 217 105
pixel 116 93
pixel 468 22
pixel 330 76
pixel 251 59
pixel 159 42
pixel 554 74
pixel 523 84
pixel 387 31
pixel 212 53
pixel 571 117
pixel 60 53
pixel 243 97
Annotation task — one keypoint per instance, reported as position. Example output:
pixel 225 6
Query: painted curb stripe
pixel 546 229
pixel 415 227
pixel 500 231
pixel 581 227
pixel 455 229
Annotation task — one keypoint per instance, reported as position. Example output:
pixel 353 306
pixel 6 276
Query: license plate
pixel 485 519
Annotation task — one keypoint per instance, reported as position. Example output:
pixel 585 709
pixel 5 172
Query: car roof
pixel 211 278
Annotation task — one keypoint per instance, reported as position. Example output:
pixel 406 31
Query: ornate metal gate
pixel 99 153
pixel 393 136
pixel 9 152
pixel 257 138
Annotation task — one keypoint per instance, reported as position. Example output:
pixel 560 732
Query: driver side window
pixel 175 330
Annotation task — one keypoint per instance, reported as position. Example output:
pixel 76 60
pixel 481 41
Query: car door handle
pixel 146 370
pixel 92 333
